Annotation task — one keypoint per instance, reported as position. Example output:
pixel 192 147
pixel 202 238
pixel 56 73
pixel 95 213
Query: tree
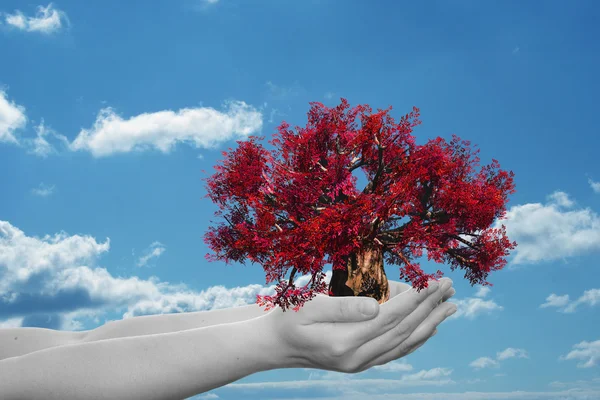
pixel 298 207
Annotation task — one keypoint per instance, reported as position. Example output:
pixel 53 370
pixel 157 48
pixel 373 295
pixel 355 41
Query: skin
pixel 176 356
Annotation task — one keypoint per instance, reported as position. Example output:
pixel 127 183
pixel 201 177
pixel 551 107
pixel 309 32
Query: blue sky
pixel 109 111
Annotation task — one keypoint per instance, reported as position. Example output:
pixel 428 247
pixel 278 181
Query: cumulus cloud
pixel 204 127
pixel 511 353
pixel 43 190
pixel 589 297
pixel 484 362
pixel 487 362
pixel 12 118
pixel 153 251
pixel 589 352
pixel 594 185
pixel 472 307
pixel 482 291
pixel 47 20
pixel 551 231
pixel 54 282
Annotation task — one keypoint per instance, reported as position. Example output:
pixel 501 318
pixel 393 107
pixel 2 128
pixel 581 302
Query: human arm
pixel 16 342
pixel 162 366
pixel 180 364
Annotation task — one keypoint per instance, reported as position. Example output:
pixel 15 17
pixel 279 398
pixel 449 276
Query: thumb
pixel 346 309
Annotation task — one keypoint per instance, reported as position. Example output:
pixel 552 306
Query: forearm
pixel 161 366
pixel 16 342
pixel 166 323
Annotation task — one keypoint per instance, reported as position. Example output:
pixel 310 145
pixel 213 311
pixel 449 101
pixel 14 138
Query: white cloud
pixel 204 127
pixel 47 20
pixel 586 351
pixel 425 375
pixel 590 297
pixel 153 251
pixel 594 185
pixel 511 353
pixel 482 291
pixel 43 190
pixel 562 199
pixel 39 145
pixel 12 117
pixel 556 301
pixel 548 232
pixel 393 366
pixel 56 277
pixel 487 362
pixel 573 394
pixel 484 362
pixel 473 307
pixel 329 95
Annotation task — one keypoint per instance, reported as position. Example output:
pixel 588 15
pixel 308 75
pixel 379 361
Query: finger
pixel 393 311
pixel 400 348
pixel 447 295
pixel 423 311
pixel 341 309
pixel 404 327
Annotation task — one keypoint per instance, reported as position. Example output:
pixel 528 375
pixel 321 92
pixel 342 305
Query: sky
pixel 109 112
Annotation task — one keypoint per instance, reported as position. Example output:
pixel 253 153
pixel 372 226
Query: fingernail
pixel 368 308
pixel 446 285
pixel 451 311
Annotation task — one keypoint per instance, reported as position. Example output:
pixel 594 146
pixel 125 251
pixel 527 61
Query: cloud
pixel 54 282
pixel 516 50
pixel 351 384
pixel 484 362
pixel 47 20
pixel 556 301
pixel 205 127
pixel 40 146
pixel 482 291
pixel 590 297
pixel 329 95
pixel 473 307
pixel 573 394
pixel 551 231
pixel 277 92
pixel 587 351
pixel 154 251
pixel 393 366
pixel 562 199
pixel 511 353
pixel 43 190
pixel 12 117
pixel 487 362
pixel 594 185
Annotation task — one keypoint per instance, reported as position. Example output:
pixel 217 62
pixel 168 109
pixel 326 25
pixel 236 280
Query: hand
pixel 332 333
pixel 398 287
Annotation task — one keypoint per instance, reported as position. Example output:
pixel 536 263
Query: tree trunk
pixel 364 276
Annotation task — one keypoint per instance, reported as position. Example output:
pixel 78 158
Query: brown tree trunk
pixel 364 276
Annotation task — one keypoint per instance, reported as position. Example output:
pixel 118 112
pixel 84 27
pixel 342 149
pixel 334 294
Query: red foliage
pixel 293 207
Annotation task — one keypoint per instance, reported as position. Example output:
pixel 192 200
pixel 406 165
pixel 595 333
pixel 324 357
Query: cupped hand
pixel 339 334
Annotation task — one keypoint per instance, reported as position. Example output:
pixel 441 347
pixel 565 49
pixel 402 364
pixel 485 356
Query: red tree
pixel 294 207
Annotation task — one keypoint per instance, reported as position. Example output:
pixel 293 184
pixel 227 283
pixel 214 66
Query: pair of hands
pixel 332 333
